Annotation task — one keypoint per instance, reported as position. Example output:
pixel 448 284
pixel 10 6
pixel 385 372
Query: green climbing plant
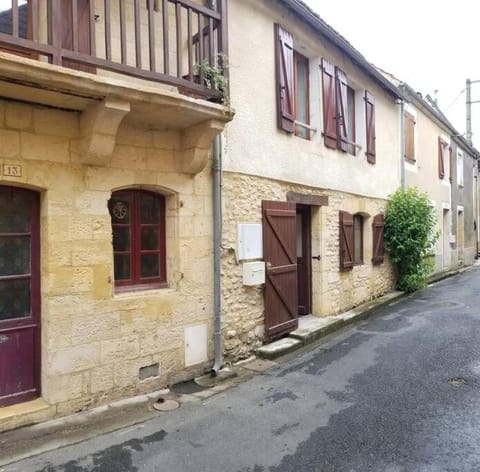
pixel 410 237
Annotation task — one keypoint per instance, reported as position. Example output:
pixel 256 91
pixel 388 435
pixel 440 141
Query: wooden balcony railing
pixel 176 42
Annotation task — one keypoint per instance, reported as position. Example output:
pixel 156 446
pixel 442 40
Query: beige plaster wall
pixel 255 145
pixel 332 291
pixel 95 340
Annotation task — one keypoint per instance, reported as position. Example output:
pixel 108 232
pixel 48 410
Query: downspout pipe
pixel 401 104
pixel 217 246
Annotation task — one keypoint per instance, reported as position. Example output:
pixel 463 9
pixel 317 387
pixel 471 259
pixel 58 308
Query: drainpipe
pixel 217 244
pixel 401 104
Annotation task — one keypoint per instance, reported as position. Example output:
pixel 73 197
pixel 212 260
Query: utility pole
pixel 469 102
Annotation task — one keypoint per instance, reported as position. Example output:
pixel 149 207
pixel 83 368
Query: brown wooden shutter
pixel 370 121
pixel 284 79
pixel 378 246
pixel 441 157
pixel 409 137
pixel 342 112
pixel 450 160
pixel 346 241
pixel 329 105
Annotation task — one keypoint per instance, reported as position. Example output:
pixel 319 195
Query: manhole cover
pixel 165 405
pixel 457 381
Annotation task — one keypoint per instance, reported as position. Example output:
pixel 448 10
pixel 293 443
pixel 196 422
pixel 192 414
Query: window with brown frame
pixel 409 136
pixel 23 14
pixel 302 96
pixel 357 239
pixel 292 86
pixel 138 226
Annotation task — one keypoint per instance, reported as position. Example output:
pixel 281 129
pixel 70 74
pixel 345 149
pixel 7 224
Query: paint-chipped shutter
pixel 329 105
pixel 450 161
pixel 346 241
pixel 342 113
pixel 378 246
pixel 284 79
pixel 409 137
pixel 441 158
pixel 370 123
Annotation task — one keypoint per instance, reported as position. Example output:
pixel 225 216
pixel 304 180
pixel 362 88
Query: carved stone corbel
pixel 196 143
pixel 99 125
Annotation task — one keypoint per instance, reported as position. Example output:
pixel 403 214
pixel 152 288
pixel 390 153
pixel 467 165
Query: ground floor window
pixel 138 227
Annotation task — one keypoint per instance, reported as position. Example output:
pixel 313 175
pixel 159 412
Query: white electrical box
pixel 250 241
pixel 195 344
pixel 253 273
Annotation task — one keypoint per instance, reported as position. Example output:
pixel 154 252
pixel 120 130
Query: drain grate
pixel 457 381
pixel 165 405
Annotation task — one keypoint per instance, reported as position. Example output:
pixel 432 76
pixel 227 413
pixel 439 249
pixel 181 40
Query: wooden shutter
pixel 450 161
pixel 370 122
pixel 378 246
pixel 409 137
pixel 284 79
pixel 342 112
pixel 329 105
pixel 441 158
pixel 346 241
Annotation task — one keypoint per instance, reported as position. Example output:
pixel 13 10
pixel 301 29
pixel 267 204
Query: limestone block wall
pixel 94 341
pixel 332 291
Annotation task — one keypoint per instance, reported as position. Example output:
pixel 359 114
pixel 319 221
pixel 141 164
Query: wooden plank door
pixel 280 254
pixel 304 260
pixel 19 296
pixel 67 27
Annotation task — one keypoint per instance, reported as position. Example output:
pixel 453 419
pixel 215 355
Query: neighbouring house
pixel 440 162
pixel 309 162
pixel 106 271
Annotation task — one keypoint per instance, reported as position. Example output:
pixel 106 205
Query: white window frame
pixel 460 177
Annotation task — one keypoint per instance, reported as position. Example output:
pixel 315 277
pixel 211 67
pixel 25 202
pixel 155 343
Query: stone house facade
pixel 302 194
pixel 105 202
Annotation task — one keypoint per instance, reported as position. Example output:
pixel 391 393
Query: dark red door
pixel 280 253
pixel 304 260
pixel 19 295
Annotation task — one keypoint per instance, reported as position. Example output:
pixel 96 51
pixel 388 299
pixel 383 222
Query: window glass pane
pixel 23 19
pixel 14 299
pixel 15 212
pixel 121 238
pixel 302 97
pixel 150 238
pixel 119 207
pixel 150 265
pixel 299 236
pixel 122 267
pixel 357 222
pixel 14 255
pixel 6 16
pixel 149 209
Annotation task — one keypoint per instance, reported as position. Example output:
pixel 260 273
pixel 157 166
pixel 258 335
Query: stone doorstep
pixel 311 328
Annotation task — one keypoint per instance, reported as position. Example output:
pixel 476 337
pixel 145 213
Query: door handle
pixel 3 339
pixel 317 257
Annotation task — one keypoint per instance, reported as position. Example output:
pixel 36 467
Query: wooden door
pixel 19 296
pixel 280 254
pixel 304 260
pixel 68 27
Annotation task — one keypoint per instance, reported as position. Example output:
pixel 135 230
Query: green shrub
pixel 410 236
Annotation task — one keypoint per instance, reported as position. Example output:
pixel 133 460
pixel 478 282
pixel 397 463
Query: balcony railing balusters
pixel 200 37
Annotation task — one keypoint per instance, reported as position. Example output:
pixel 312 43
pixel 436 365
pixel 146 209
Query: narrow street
pixel 396 392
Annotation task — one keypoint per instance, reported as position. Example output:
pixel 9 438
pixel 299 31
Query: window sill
pixel 142 291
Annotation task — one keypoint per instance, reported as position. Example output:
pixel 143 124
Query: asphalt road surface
pixel 397 392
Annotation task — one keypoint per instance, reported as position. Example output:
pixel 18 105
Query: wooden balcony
pixel 180 43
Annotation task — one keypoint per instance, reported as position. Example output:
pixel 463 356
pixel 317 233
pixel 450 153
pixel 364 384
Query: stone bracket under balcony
pixel 99 125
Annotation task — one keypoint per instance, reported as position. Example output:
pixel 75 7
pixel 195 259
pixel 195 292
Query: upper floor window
pixel 292 86
pixel 409 137
pixel 138 226
pixel 339 113
pixel 459 168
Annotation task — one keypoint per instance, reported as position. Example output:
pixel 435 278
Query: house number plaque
pixel 12 170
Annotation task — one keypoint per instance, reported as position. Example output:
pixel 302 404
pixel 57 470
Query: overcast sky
pixel 430 45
